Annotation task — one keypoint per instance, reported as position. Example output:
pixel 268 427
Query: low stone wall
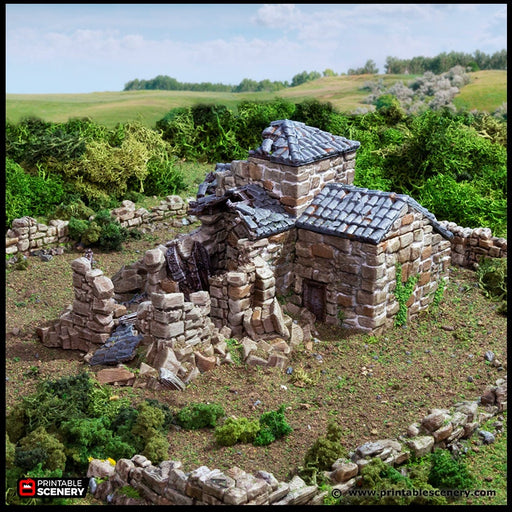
pixel 168 484
pixel 470 245
pixel 27 234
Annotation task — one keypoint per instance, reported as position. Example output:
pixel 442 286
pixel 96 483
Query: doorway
pixel 314 297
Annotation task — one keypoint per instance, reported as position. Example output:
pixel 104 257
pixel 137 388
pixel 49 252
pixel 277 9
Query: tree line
pixel 444 61
pixel 415 66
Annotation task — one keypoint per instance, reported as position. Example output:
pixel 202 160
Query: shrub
pixel 448 472
pixel 29 194
pixel 390 487
pixel 199 415
pixel 235 430
pixel 323 453
pixel 54 450
pixel 273 425
pixel 149 420
pixel 492 277
pixel 156 448
pixel 10 450
pixel 102 231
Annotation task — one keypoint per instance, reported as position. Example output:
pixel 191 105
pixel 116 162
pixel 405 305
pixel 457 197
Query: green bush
pixel 492 277
pixel 53 451
pixel 236 430
pixel 102 231
pixel 156 448
pixel 73 418
pixel 273 425
pixel 448 472
pixel 390 487
pixel 199 415
pixel 28 194
pixel 323 453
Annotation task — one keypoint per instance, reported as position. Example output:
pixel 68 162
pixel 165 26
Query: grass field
pixel 487 91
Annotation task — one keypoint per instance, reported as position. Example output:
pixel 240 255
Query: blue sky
pixel 82 48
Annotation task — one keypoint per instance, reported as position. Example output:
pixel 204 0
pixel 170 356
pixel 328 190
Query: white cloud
pixel 278 16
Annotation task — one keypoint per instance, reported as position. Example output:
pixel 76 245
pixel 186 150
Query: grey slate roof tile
pixel 293 143
pixel 362 214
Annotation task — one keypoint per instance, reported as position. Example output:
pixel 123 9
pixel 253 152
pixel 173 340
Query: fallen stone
pixel 168 379
pixel 205 363
pixel 120 376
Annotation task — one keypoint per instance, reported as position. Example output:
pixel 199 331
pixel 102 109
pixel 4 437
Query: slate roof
pixel 119 347
pixel 262 215
pixel 360 214
pixel 294 143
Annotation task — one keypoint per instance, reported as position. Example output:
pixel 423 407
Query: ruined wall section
pixel 88 322
pixel 360 278
pixel 469 245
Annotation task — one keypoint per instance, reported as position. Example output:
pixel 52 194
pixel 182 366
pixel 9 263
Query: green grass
pixel 487 91
pixel 489 464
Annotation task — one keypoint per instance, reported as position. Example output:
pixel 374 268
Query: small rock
pixel 447 327
pixel 488 478
pixel 486 436
pixel 469 379
pixel 289 370
pixel 489 356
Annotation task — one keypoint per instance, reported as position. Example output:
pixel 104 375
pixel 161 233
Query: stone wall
pixel 360 278
pixel 470 245
pixel 167 483
pixel 295 187
pixel 27 234
pixel 88 322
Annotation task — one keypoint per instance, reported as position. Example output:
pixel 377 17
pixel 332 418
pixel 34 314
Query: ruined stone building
pixel 287 225
pixel 329 246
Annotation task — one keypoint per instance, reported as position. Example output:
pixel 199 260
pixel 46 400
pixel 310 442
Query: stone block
pixel 205 363
pixel 167 301
pixel 81 265
pixel 421 445
pixel 103 288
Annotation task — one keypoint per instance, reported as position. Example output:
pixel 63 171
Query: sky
pixel 85 48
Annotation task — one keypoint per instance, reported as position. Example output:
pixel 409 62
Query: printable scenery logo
pixel 52 487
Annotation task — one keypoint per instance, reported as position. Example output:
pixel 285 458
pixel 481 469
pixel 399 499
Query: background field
pixel 486 92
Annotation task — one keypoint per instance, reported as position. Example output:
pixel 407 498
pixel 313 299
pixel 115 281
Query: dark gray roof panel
pixel 263 215
pixel 361 214
pixel 294 143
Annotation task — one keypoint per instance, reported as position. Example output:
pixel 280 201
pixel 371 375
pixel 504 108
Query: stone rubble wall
pixel 168 484
pixel 89 320
pixel 470 245
pixel 360 278
pixel 295 187
pixel 27 234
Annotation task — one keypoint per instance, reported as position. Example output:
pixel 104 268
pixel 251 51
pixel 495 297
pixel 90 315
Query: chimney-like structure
pixel 293 164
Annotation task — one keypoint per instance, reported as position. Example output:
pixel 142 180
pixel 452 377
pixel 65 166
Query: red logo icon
pixel 27 487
